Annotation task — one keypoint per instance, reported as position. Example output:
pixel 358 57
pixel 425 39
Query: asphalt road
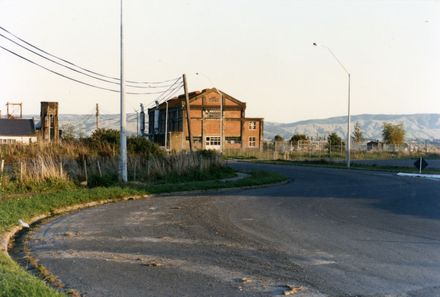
pixel 330 232
pixel 432 163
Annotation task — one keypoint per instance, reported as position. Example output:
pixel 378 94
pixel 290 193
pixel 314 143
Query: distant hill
pixel 85 124
pixel 417 126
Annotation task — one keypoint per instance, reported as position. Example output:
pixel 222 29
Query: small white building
pixel 17 131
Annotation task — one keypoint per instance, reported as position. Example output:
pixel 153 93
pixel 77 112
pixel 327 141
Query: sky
pixel 257 51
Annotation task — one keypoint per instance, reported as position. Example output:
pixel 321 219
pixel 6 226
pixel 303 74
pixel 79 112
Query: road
pixel 329 232
pixel 432 163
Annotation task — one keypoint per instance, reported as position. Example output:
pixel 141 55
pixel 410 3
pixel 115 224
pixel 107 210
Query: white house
pixel 17 131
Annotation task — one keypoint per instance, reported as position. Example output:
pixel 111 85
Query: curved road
pixel 327 232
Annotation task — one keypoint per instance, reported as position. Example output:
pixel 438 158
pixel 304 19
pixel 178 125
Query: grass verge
pixel 16 282
pixel 341 165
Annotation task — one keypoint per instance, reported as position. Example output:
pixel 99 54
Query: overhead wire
pixel 77 80
pixel 78 71
pixel 83 68
pixel 166 95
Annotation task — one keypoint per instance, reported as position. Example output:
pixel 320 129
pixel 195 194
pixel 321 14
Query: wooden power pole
pixel 188 112
pixel 97 116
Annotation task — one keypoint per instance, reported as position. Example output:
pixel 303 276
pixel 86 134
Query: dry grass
pixel 28 166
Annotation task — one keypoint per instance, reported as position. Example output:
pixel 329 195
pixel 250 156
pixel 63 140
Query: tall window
pixel 252 141
pixel 252 125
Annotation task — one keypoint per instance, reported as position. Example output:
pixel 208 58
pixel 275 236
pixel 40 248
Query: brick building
pixel 239 132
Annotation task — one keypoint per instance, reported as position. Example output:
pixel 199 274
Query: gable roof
pixel 196 94
pixel 17 127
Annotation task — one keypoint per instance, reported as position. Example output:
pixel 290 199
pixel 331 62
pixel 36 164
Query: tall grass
pixel 41 166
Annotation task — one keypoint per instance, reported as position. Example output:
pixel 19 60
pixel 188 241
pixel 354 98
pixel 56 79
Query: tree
pixel 393 133
pixel 105 136
pixel 299 138
pixel 278 138
pixel 334 142
pixel 139 145
pixel 358 136
pixel 68 132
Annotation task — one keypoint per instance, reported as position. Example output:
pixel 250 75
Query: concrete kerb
pixel 420 175
pixel 6 236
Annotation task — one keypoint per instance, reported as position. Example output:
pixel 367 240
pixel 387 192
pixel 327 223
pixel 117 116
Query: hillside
pixel 84 124
pixel 417 126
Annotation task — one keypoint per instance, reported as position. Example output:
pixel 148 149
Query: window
pixel 252 141
pixel 233 139
pixel 252 125
pixel 212 140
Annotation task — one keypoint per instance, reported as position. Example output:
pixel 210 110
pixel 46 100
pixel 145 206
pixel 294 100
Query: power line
pixel 78 71
pixel 82 68
pixel 166 95
pixel 79 81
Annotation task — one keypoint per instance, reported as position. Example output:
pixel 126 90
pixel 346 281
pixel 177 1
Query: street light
pixel 221 109
pixel 348 114
pixel 123 174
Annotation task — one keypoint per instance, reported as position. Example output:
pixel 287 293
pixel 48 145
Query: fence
pixel 87 168
pixel 321 149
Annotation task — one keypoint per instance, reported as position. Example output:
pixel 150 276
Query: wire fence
pixel 322 149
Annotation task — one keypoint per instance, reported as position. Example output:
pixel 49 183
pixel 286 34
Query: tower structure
pixel 49 122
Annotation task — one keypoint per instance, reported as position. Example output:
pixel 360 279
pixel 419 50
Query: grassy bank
pixel 16 282
pixel 342 165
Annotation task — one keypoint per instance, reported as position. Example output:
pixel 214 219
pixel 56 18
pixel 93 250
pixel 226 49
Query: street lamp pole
pixel 166 125
pixel 349 93
pixel 123 137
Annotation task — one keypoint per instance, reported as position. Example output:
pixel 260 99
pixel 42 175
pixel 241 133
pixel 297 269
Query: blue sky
pixel 257 51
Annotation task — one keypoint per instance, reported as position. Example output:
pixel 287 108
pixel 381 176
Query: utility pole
pixel 188 114
pixel 142 120
pixel 123 175
pixel 166 125
pixel 10 112
pixel 97 116
pixel 137 123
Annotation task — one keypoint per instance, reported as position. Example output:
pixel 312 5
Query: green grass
pixel 16 282
pixel 342 165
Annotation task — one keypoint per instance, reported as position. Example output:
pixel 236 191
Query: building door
pixel 212 142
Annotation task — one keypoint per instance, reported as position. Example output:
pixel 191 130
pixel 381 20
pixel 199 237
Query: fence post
pixel 85 169
pixel 134 170
pixel 61 169
pixel 99 168
pixel 42 167
pixel 2 167
pixel 21 171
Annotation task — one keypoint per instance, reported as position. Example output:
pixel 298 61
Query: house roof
pixel 17 127
pixel 194 95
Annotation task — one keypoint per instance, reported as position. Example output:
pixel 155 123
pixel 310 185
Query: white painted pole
pixel 166 125
pixel 348 125
pixel 123 137
pixel 221 120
